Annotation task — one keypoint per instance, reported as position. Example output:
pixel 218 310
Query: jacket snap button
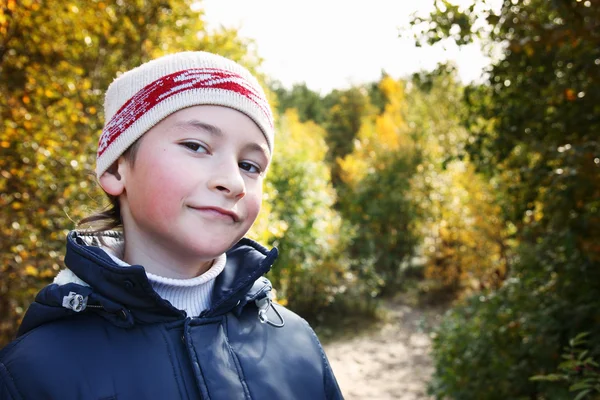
pixel 122 314
pixel 129 284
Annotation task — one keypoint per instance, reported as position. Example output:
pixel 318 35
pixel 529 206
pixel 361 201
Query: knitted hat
pixel 142 97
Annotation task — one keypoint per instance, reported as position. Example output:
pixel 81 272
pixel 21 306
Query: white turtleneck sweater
pixel 190 295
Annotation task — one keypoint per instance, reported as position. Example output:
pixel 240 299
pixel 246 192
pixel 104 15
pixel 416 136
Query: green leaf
pixel 582 355
pixel 549 378
pixel 581 395
pixel 585 384
pixel 579 339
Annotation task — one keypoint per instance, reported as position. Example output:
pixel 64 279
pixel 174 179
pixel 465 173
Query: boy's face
pixel 195 187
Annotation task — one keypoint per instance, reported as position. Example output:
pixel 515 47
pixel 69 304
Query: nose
pixel 228 180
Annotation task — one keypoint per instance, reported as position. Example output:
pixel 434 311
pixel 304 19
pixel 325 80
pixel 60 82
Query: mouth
pixel 218 213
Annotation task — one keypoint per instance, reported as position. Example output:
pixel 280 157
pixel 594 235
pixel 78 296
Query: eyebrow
pixel 216 131
pixel 194 123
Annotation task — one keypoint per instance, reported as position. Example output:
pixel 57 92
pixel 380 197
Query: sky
pixel 335 43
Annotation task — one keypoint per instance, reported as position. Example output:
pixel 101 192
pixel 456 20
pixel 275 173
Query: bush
pixel 579 370
pixel 313 273
pixel 490 345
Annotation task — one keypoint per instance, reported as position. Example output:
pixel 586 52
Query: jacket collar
pixel 124 296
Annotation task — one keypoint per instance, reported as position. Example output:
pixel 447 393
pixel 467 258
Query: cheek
pixel 254 202
pixel 159 190
pixel 160 205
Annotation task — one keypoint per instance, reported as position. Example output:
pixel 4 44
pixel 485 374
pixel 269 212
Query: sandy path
pixel 392 362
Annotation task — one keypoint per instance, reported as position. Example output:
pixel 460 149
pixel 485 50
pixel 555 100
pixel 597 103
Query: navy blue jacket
pixel 118 339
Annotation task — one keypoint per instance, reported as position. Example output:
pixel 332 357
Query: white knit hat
pixel 143 96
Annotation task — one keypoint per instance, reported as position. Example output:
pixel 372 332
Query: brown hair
pixel 110 217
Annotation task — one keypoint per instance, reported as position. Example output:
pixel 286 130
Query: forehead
pixel 223 122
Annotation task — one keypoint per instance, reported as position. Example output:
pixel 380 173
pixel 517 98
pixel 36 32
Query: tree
pixel 312 274
pixel 340 112
pixel 464 238
pixel 307 103
pixel 376 193
pixel 534 131
pixel 55 61
pixel 346 111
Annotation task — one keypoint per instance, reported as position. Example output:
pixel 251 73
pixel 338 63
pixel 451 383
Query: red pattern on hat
pixel 170 85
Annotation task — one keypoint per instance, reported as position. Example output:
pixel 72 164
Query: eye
pixel 195 147
pixel 250 167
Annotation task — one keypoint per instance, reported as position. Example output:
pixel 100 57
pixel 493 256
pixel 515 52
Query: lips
pixel 217 212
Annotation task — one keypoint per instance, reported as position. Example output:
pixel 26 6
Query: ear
pixel 113 179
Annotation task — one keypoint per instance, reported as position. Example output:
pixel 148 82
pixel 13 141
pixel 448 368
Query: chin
pixel 211 248
pixel 207 240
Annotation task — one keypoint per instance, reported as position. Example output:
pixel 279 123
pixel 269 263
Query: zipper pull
pixel 75 302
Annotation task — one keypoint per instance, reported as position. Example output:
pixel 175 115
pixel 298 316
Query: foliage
pixel 375 197
pixel 464 248
pixel 340 112
pixel 460 220
pixel 55 61
pixel 307 103
pixel 513 333
pixel 533 132
pixel 346 110
pixel 579 369
pixel 490 191
pixel 312 273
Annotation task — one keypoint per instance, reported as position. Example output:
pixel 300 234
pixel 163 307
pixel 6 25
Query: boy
pixel 175 305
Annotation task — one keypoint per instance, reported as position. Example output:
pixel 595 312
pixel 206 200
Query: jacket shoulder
pixel 292 354
pixel 332 389
pixel 8 388
pixel 14 368
pixel 55 336
pixel 42 360
pixel 295 323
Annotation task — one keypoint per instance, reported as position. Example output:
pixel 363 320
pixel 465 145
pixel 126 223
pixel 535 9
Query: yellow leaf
pixel 30 270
